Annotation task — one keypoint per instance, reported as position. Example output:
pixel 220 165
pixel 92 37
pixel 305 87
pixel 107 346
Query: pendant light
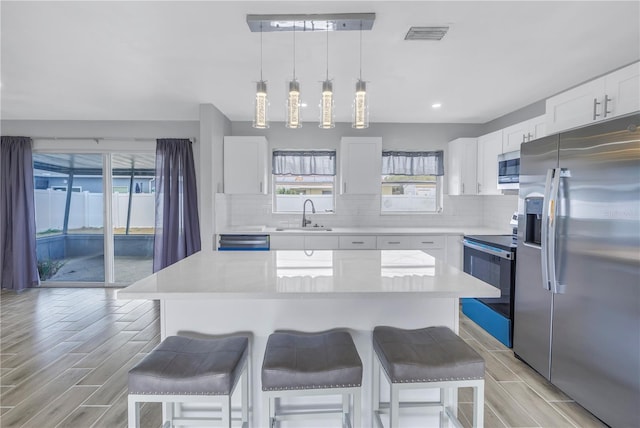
pixel 260 118
pixel 361 101
pixel 293 119
pixel 326 101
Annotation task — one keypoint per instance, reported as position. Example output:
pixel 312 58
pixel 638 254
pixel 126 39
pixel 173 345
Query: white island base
pixel 222 293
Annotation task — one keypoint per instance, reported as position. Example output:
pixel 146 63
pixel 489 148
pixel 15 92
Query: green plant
pixel 285 191
pixel 49 232
pixel 48 268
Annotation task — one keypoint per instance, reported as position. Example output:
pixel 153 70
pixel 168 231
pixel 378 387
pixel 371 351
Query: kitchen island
pixel 223 292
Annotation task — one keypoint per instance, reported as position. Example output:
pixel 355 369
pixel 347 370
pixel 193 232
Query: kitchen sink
pixel 305 229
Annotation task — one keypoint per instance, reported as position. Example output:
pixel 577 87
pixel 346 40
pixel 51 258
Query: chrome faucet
pixel 305 220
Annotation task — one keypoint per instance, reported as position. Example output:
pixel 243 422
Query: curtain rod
pixel 98 139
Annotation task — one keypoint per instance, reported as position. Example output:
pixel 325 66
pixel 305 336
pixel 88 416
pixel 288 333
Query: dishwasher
pixel 243 243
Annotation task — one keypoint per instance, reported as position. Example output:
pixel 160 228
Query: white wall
pixel 213 127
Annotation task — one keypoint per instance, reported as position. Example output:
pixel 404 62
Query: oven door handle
pixel 488 249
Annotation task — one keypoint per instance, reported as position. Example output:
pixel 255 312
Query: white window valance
pixel 309 162
pixel 412 163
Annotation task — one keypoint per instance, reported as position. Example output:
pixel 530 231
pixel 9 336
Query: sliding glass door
pixel 69 217
pixel 133 208
pixel 77 245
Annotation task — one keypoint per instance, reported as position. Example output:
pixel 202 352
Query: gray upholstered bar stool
pixel 192 370
pixel 433 357
pixel 299 364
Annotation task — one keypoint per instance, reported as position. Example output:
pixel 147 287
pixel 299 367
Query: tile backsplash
pixel 364 211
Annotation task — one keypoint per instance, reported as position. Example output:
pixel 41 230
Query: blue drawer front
pixel 494 323
pixel 244 249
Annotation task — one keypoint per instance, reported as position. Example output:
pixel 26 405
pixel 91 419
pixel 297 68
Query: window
pixel 411 181
pixel 301 175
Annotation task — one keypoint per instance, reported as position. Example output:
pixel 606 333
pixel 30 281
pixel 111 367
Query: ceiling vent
pixel 426 33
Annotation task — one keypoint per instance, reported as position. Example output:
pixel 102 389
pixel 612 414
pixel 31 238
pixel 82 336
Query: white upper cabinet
pixel 462 166
pixel 605 97
pixel 360 165
pixel 514 135
pixel 623 89
pixel 489 147
pixel 245 165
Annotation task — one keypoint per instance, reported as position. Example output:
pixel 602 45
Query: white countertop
pixel 378 230
pixel 310 274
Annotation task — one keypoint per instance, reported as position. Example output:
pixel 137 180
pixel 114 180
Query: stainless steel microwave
pixel 509 170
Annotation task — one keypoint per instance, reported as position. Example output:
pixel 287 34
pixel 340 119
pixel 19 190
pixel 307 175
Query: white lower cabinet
pixel 438 253
pixel 357 242
pixel 454 251
pixel 281 242
pixel 321 242
pixel 391 242
pixel 447 248
pixel 304 242
pixel 429 242
pixel 434 245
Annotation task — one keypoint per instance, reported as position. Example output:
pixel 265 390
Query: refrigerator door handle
pixel 551 253
pixel 544 233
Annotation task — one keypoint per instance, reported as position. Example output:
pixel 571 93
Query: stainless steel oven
pixel 493 260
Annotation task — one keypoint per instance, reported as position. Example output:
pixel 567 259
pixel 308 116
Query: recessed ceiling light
pixel 303 104
pixel 436 105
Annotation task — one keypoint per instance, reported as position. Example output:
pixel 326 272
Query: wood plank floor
pixel 65 354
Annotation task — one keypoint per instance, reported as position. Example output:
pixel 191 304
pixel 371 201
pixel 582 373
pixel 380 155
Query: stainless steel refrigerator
pixel 577 294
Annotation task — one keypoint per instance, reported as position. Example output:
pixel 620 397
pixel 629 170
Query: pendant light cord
pixel 327 50
pixel 260 50
pixel 360 49
pixel 294 50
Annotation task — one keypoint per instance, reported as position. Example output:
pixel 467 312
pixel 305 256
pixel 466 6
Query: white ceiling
pixel 159 60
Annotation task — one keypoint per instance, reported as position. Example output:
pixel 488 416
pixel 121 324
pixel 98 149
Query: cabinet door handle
pixel 605 109
pixel 393 242
pixel 357 242
pixel 261 187
pixel 426 242
pixel 478 187
pixel 462 188
pixel 344 187
pixel 524 137
pixel 595 108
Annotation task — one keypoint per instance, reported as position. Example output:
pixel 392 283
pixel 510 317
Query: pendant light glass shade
pixel 361 106
pixel 293 119
pixel 260 119
pixel 293 105
pixel 327 120
pixel 361 101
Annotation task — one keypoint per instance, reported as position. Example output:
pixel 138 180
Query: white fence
pixel 86 210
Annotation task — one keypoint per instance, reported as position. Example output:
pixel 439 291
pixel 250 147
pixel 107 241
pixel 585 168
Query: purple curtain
pixel 177 232
pixel 18 261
